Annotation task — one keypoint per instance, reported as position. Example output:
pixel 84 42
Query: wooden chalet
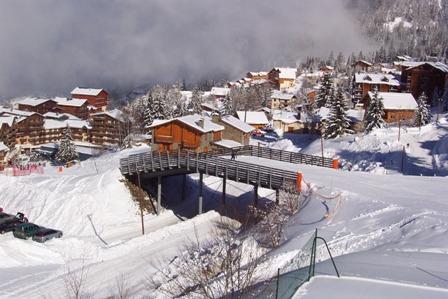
pixel 97 98
pixel 282 77
pixel 219 92
pixel 257 76
pixel 427 77
pixel 193 132
pixel 256 119
pixel 108 127
pixel 3 151
pixel 76 107
pixel 54 129
pixel 365 82
pixel 8 128
pixel 40 106
pixel 281 99
pixel 28 128
pixel 363 66
pixel 397 106
pixel 235 130
pixel 327 69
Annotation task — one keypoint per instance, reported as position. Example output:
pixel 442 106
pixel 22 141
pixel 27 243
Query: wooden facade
pixel 280 80
pixel 393 116
pixel 8 132
pixel 30 130
pixel 99 101
pixel 426 78
pixel 81 111
pixel 106 129
pixel 362 66
pixel 40 106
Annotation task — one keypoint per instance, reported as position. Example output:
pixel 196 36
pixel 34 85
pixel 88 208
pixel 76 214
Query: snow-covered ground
pixel 390 231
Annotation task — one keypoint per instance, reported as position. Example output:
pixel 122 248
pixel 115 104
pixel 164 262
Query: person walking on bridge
pixel 233 154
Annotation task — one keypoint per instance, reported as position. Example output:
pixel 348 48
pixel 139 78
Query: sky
pixel 47 47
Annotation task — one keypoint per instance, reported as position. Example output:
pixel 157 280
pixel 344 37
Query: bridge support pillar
pixel 256 195
pixel 201 178
pixel 224 183
pixel 184 186
pixel 277 196
pixel 159 194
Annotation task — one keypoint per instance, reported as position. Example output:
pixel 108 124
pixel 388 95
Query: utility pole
pixel 402 159
pixel 399 129
pixel 322 147
pixel 141 203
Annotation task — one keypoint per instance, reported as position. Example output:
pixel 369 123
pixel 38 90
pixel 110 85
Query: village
pixel 260 106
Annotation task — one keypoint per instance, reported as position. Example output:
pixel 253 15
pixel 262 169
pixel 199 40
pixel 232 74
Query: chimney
pixel 201 122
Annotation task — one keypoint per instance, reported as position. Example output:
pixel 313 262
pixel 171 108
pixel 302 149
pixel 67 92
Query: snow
pixel 86 91
pixel 56 115
pixel 286 117
pixel 50 124
pixel 115 114
pixel 287 73
pixel 228 143
pixel 220 91
pixel 253 117
pixel 32 101
pixel 374 78
pixel 3 147
pixel 15 112
pixel 281 95
pixel 70 102
pixel 194 122
pixel 354 115
pixel 396 22
pixel 397 101
pixel 8 120
pixel 361 288
pixel 237 123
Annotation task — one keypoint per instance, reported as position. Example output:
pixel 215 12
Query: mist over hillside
pixel 50 46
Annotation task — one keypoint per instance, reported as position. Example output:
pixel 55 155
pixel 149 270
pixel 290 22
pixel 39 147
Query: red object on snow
pixel 299 181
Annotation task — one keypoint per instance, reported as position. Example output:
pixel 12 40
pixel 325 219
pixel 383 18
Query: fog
pixel 47 47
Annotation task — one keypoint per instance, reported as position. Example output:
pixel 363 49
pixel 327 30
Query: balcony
pixel 163 139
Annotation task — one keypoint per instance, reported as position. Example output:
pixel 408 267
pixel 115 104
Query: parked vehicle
pixel 46 234
pixel 258 133
pixel 26 230
pixel 5 217
pixel 9 226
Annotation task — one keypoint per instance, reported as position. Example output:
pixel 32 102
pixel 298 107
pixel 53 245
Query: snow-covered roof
pixel 228 143
pixel 397 101
pixel 220 91
pixel 3 147
pixel 438 65
pixel 286 117
pixel 257 74
pixel 354 115
pixel 56 115
pixel 115 114
pixel 6 119
pixel 16 112
pixel 193 121
pixel 364 61
pixel 253 117
pixel 237 123
pixel 373 78
pixel 32 101
pixel 287 72
pixel 210 106
pixel 86 91
pixel 281 95
pixel 51 124
pixel 70 102
pixel 329 67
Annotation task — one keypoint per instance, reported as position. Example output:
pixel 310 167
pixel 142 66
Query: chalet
pixel 365 82
pixel 234 130
pixel 327 69
pixel 219 92
pixel 256 119
pixel 108 127
pixel 193 132
pixel 60 116
pixel 40 106
pixel 3 151
pixel 282 77
pixel 287 121
pixel 427 77
pixel 362 66
pixel 28 126
pixel 209 107
pixel 97 98
pixel 281 99
pixel 76 107
pixel 54 129
pixel 397 106
pixel 257 76
pixel 8 130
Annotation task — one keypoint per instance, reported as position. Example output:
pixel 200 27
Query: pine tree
pixel 196 102
pixel 375 113
pixel 337 123
pixel 159 108
pixel 67 149
pixel 423 114
pixel 325 92
pixel 227 106
pixel 149 113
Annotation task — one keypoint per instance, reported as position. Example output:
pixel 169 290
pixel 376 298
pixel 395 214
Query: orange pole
pixel 299 181
pixel 336 164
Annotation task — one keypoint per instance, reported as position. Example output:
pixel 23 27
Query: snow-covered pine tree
pixel 325 92
pixel 227 106
pixel 375 113
pixel 337 123
pixel 149 113
pixel 67 150
pixel 159 108
pixel 423 114
pixel 196 101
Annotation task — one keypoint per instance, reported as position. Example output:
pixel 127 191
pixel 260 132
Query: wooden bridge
pixel 159 164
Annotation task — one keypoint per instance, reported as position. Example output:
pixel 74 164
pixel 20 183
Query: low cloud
pixel 49 46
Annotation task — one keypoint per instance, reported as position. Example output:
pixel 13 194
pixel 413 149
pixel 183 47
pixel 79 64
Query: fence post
pixel 299 182
pixel 278 283
pixel 335 164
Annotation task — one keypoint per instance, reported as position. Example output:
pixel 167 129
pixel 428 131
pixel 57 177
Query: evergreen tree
pixel 227 106
pixel 149 113
pixel 196 101
pixel 67 150
pixel 325 92
pixel 375 113
pixel 337 123
pixel 159 108
pixel 423 114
